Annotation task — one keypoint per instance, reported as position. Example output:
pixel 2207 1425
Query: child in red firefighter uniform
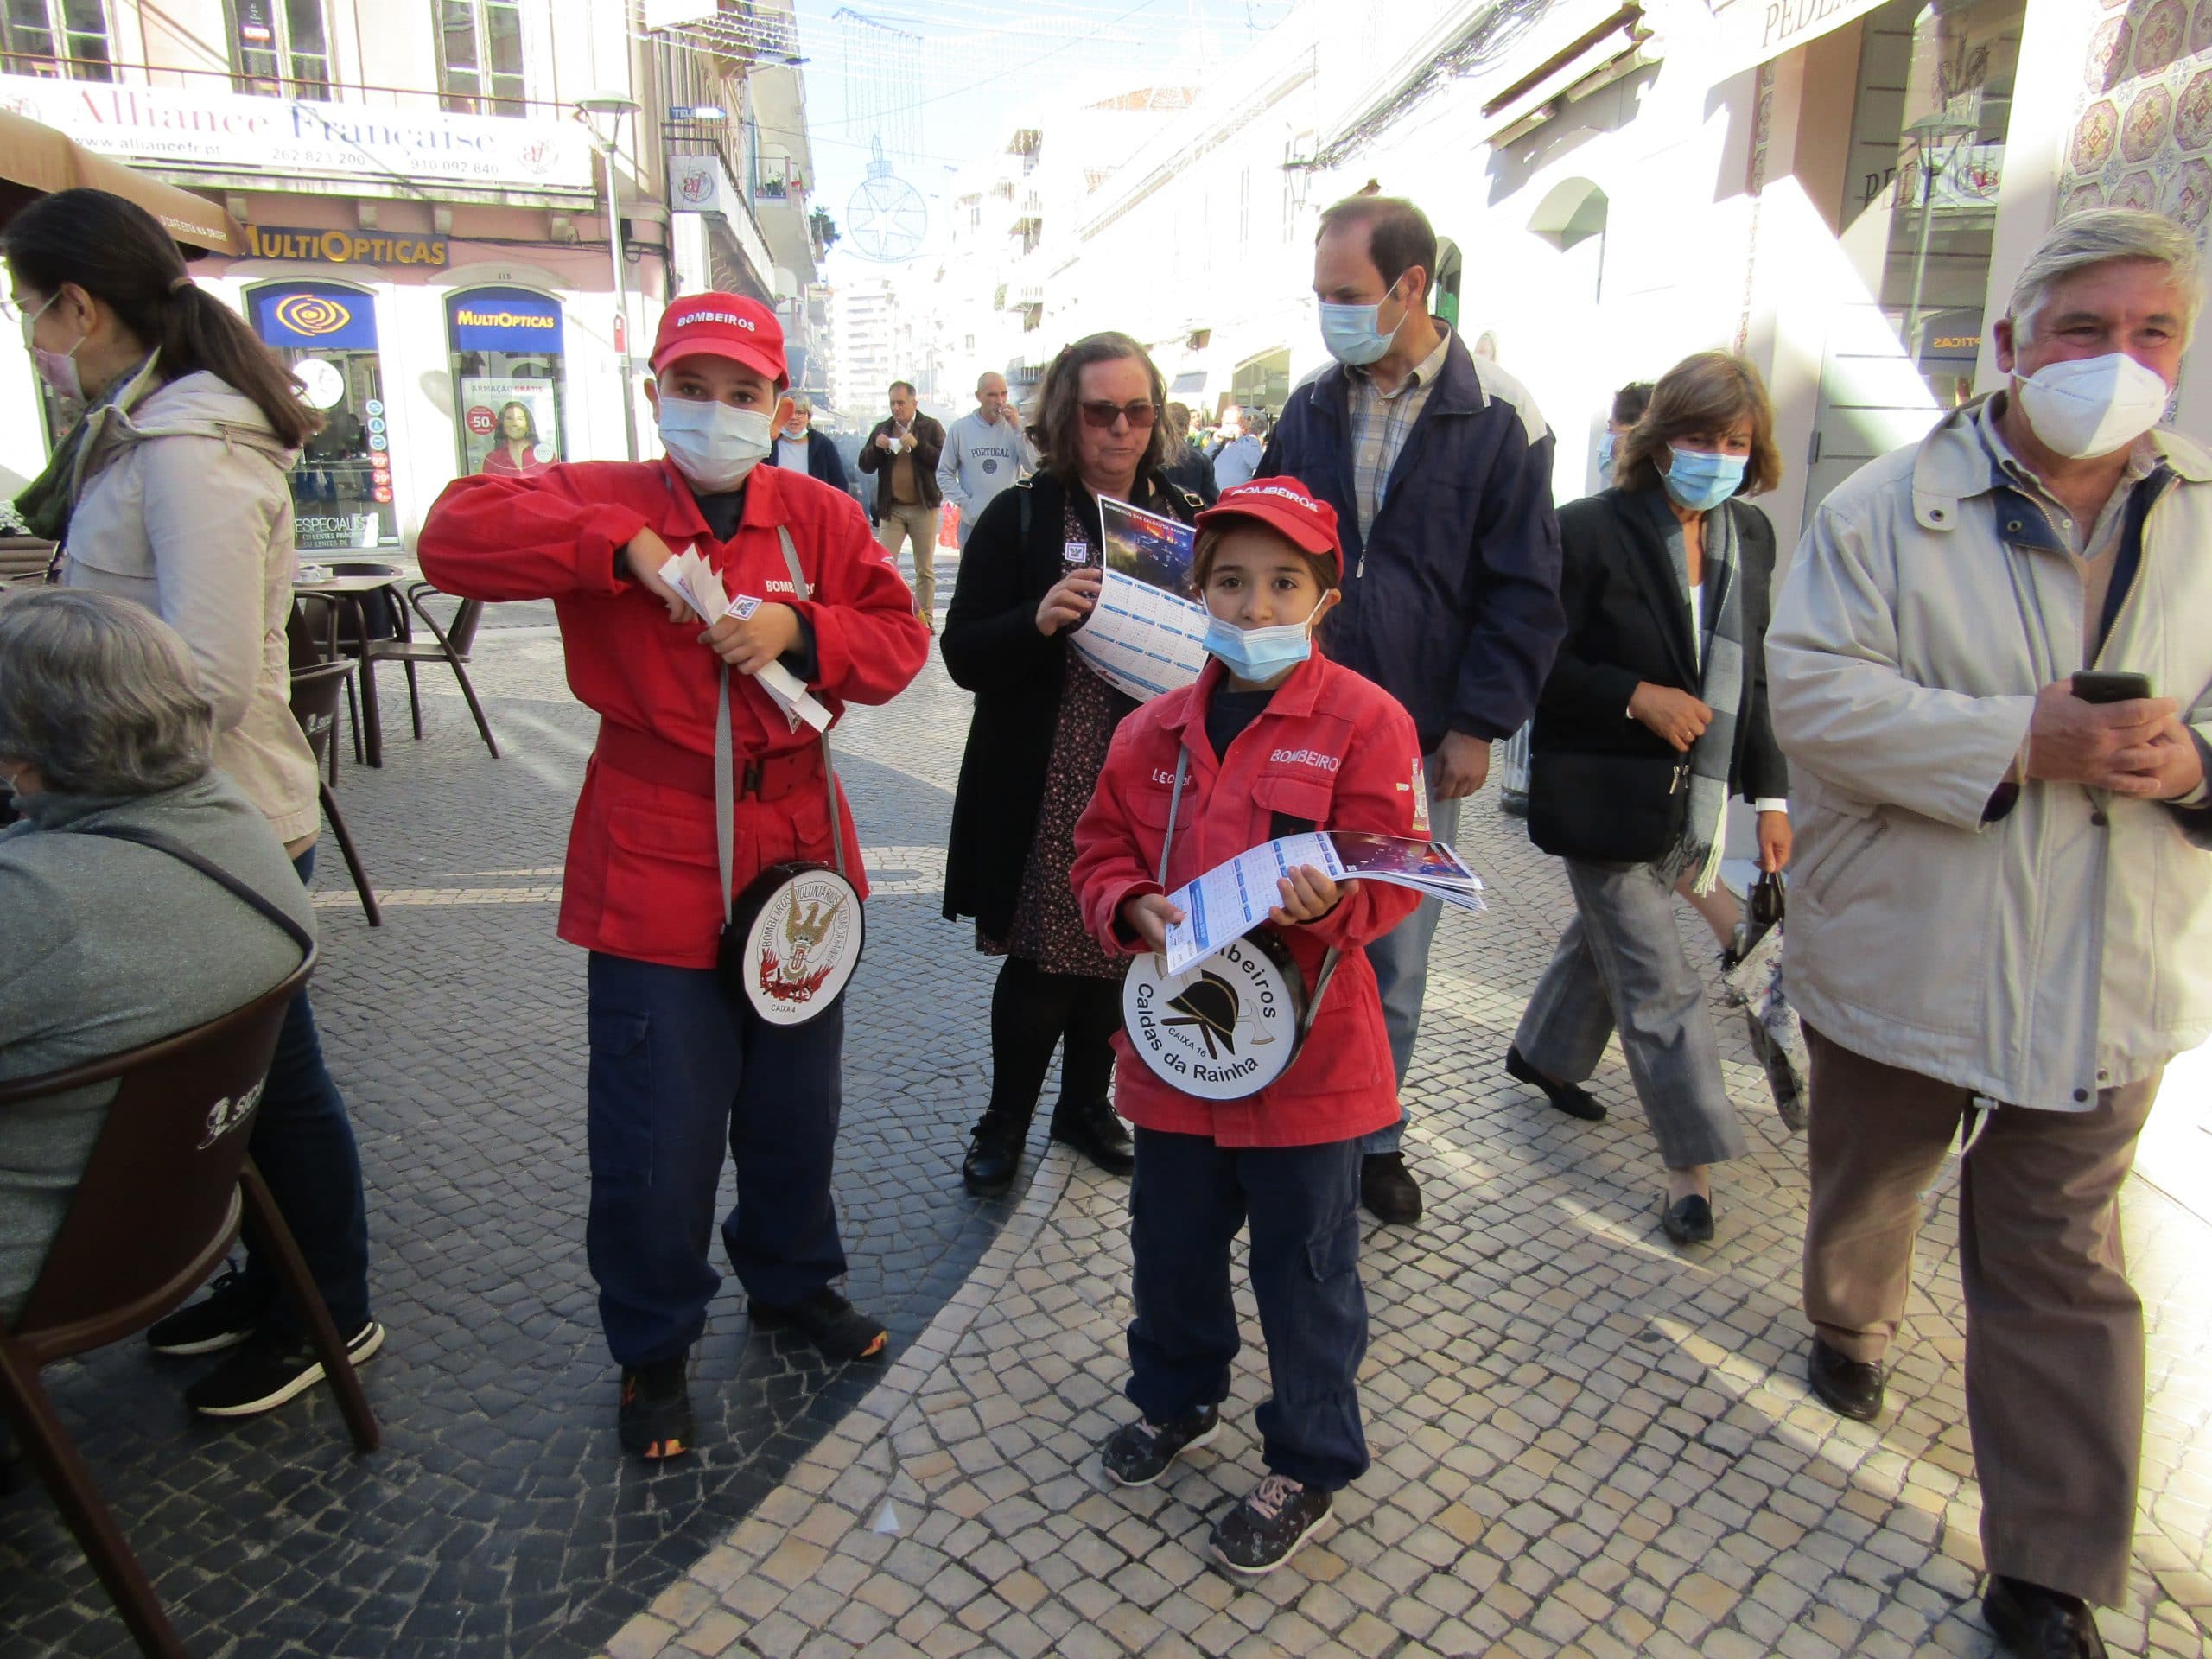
pixel 681 1068
pixel 1275 739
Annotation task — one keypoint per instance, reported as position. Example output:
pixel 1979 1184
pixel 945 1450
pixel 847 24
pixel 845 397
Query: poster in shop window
pixel 509 426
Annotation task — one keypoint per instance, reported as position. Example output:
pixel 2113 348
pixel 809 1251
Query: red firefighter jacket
pixel 1331 749
pixel 642 878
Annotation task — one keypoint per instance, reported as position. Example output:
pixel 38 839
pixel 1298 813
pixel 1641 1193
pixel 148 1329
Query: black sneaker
pixel 1093 1130
pixel 655 1420
pixel 272 1367
pixel 1269 1528
pixel 226 1316
pixel 831 1323
pixel 1387 1188
pixel 1137 1454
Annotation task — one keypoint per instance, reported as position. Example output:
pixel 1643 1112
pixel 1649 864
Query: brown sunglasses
pixel 1102 412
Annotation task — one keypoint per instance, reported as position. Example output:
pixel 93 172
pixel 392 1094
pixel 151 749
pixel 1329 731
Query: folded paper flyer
pixel 699 583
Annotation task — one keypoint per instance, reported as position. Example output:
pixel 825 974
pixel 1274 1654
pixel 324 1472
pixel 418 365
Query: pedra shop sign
pixel 168 127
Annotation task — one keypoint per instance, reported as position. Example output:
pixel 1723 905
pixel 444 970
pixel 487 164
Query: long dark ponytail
pixel 118 253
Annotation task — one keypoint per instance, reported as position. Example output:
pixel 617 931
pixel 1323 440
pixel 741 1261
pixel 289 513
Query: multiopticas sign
pixel 468 318
pixel 345 247
pixel 266 135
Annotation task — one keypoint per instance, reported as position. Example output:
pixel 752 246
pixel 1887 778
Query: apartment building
pixel 430 190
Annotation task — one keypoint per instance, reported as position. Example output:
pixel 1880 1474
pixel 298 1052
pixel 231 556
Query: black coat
pixel 992 647
pixel 822 462
pixel 1626 622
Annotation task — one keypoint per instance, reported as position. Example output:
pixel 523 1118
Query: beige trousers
pixel 2054 1332
pixel 917 525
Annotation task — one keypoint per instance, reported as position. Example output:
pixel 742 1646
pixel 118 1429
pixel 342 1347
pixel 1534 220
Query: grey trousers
pixel 1399 959
pixel 1620 966
pixel 2054 1354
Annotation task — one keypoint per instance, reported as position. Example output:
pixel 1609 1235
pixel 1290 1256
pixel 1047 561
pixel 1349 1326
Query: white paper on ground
pixel 698 582
pixel 1141 639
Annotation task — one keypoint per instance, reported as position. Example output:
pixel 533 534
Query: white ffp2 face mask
pixel 2089 406
pixel 713 446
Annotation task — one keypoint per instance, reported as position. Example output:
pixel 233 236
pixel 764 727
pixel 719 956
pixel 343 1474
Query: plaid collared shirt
pixel 1380 422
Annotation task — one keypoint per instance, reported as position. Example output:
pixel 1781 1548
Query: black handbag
pixel 1607 809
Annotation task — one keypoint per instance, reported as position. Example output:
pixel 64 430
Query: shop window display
pixel 506 367
pixel 327 334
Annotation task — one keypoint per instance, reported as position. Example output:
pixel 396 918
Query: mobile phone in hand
pixel 2094 687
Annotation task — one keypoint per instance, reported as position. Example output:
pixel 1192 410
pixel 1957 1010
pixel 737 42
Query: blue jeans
pixel 1186 1201
pixel 680 1071
pixel 302 1143
pixel 1399 959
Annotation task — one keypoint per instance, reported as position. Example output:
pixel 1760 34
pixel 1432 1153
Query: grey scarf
pixel 1721 687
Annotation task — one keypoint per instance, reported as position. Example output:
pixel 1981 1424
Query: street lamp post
pixel 612 107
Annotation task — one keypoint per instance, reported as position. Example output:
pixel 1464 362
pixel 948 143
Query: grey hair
pixel 2096 237
pixel 801 403
pixel 99 695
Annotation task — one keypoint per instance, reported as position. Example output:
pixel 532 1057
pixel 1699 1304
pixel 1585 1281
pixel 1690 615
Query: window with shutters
pixel 479 56
pixel 60 39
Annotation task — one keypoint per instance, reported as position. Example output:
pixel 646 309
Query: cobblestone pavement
pixel 500 1517
pixel 1586 1443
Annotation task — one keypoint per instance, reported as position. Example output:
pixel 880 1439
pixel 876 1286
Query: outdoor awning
pixel 36 160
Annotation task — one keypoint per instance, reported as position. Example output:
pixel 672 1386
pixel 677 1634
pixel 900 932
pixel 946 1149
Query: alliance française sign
pixel 173 128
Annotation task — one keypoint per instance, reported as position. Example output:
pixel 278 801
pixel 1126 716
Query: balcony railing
pixel 369 93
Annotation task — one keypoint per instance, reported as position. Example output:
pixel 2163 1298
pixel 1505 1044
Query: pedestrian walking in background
pixel 170 491
pixel 1440 468
pixel 985 452
pixel 683 1068
pixel 2002 913
pixel 1271 730
pixel 1035 746
pixel 1628 407
pixel 1237 459
pixel 1188 466
pixel 801 449
pixel 1654 714
pixel 903 452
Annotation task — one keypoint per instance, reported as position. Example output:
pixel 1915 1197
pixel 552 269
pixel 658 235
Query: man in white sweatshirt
pixel 984 453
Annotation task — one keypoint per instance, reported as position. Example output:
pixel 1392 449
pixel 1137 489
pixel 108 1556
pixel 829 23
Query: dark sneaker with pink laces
pixel 1137 1454
pixel 1268 1526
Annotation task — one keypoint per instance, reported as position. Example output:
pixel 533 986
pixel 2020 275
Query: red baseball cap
pixel 1285 507
pixel 721 325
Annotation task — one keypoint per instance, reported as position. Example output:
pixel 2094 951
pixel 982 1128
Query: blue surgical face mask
pixel 1257 654
pixel 1605 459
pixel 1702 480
pixel 1351 334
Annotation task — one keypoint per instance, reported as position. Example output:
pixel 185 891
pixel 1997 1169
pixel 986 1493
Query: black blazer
pixel 1626 622
pixel 992 647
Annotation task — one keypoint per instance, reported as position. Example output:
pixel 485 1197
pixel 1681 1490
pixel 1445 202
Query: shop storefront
pixel 327 334
pixel 506 353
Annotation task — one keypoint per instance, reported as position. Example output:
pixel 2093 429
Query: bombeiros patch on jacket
pixel 1320 760
pixel 1225 1028
pixel 802 934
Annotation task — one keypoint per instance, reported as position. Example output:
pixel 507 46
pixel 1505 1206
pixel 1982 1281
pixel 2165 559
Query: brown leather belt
pixel 654 760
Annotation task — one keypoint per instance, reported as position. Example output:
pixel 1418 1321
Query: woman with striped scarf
pixel 1655 714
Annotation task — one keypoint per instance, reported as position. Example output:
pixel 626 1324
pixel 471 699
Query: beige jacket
pixel 2066 947
pixel 183 505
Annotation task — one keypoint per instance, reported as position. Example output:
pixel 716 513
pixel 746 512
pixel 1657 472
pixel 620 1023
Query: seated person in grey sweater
pixel 111 945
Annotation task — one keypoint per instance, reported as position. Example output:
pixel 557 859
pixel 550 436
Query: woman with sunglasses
pixel 1029 572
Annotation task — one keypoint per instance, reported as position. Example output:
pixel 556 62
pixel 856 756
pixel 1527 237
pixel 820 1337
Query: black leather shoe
pixel 1386 1187
pixel 1849 1388
pixel 1093 1130
pixel 1687 1221
pixel 2034 1623
pixel 993 1157
pixel 1570 1097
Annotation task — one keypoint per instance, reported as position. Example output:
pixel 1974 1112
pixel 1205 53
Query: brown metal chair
pixel 315 705
pixel 450 644
pixel 159 1206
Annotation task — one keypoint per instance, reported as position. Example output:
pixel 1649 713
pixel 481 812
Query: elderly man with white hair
pixel 1991 668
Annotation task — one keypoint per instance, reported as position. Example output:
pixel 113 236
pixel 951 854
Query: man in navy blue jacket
pixel 1440 468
